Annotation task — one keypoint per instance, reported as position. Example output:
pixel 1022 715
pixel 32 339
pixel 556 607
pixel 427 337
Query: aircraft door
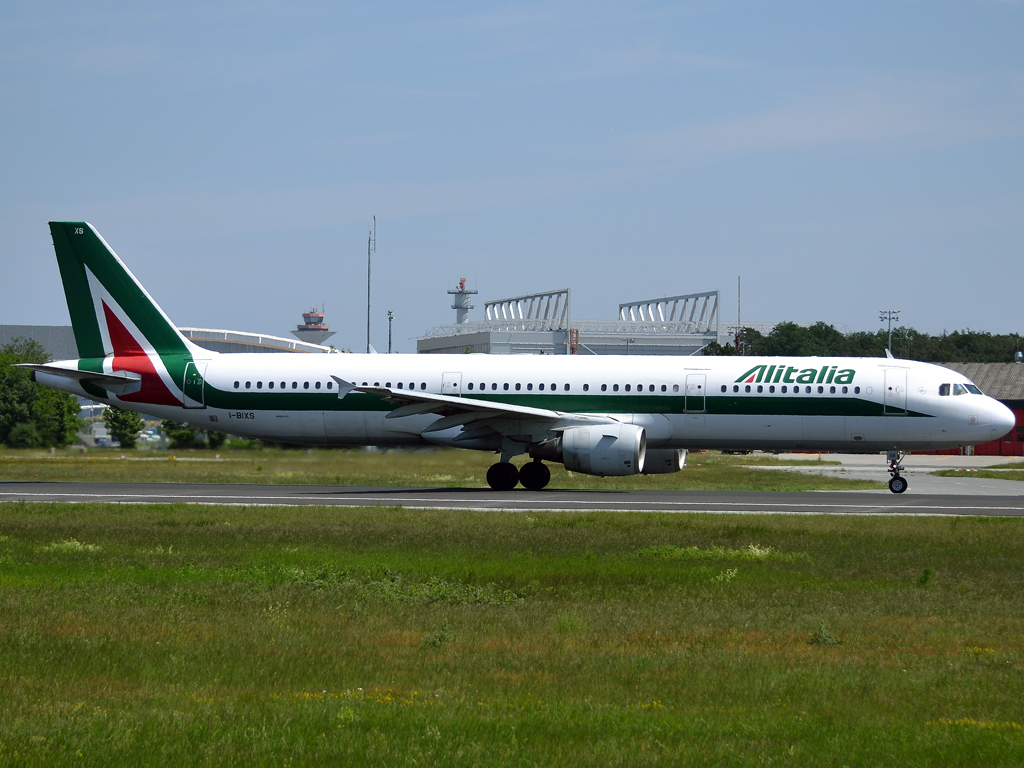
pixel 192 387
pixel 451 384
pixel 696 385
pixel 895 403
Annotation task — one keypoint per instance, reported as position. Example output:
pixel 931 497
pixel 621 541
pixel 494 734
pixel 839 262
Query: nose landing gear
pixel 897 483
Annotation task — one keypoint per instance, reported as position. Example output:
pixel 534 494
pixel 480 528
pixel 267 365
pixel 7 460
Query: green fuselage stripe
pixel 783 405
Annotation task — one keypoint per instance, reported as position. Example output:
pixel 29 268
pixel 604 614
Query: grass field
pixel 160 635
pixel 989 472
pixel 431 467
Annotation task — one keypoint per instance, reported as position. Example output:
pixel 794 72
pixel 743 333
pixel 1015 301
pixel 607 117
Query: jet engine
pixel 603 450
pixel 663 461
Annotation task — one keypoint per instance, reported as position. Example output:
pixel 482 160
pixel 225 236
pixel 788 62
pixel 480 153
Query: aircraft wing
pixel 455 410
pixel 118 382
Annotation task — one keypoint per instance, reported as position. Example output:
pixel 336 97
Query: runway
pixel 722 502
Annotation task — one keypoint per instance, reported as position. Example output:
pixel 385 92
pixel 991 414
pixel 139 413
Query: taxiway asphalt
pixel 723 502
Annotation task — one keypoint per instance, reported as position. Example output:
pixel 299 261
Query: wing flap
pixel 411 403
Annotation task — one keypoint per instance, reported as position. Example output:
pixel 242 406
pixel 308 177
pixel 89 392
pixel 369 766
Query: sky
pixel 842 158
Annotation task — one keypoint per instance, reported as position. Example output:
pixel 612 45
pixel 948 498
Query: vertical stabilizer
pixel 117 325
pixel 104 298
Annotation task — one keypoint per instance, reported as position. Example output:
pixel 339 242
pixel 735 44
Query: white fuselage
pixel 689 402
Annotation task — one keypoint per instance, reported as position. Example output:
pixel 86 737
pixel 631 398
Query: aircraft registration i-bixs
pixel 598 415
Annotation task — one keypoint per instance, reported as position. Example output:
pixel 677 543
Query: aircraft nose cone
pixel 1003 419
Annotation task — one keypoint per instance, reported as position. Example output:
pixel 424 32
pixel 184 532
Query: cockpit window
pixel 973 389
pixel 943 390
pixel 959 389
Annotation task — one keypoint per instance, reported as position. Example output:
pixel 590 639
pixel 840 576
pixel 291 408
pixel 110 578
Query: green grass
pixel 992 474
pixel 357 467
pixel 160 635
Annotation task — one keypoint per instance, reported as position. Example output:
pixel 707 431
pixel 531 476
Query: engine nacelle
pixel 664 461
pixel 603 450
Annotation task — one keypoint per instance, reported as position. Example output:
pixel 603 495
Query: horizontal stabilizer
pixel 118 382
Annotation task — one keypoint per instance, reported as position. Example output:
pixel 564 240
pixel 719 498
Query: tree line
pixel 824 340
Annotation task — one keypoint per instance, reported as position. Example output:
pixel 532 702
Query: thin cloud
pixel 865 116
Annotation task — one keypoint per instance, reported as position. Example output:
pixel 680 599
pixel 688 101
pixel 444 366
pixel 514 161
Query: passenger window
pixel 505 386
pixel 604 387
pixel 259 385
pixel 423 385
pixel 627 387
pixel 236 385
pixel 470 385
pixel 305 385
pixel 540 386
pixel 651 388
pixel 959 389
pixel 615 387
pixel 586 387
pixel 943 390
pixel 735 387
pixel 785 389
pixel 724 387
pixel 400 385
pixel 566 388
pixel 270 385
pixel 284 385
pixel 518 386
pixel 529 387
pixel 807 390
pixel 330 385
pixel 248 384
pixel 746 388
pixel 675 387
pixel 772 389
pixel 845 390
pixel 554 387
pixel 386 384
pixel 821 390
pixel 494 386
pixel 760 388
pixel 856 390
pixel 831 390
pixel 295 384
pixel 376 384
pixel 318 385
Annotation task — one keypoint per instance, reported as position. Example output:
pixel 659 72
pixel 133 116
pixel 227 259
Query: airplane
pixel 597 415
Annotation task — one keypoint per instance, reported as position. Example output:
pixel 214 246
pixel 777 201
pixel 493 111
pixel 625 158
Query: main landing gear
pixel 898 483
pixel 503 476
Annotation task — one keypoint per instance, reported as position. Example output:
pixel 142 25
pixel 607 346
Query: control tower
pixel 461 303
pixel 313 330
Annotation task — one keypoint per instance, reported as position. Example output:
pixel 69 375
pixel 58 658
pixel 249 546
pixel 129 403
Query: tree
pixel 181 435
pixel 125 426
pixel 31 415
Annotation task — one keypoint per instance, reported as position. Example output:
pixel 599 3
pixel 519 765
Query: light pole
pixel 391 317
pixel 889 315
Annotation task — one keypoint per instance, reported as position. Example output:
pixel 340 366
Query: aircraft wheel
pixel 535 475
pixel 898 484
pixel 502 476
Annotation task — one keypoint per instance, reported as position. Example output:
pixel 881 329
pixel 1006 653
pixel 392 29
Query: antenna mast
pixel 371 247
